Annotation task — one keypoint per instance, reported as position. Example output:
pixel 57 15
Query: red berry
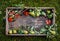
pixel 48 22
pixel 12 12
pixel 26 13
pixel 10 19
pixel 17 15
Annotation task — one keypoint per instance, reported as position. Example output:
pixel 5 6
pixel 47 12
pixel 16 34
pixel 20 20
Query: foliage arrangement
pixel 31 3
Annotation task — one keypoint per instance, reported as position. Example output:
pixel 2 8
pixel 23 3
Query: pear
pixel 32 13
pixel 25 32
pixel 14 31
pixel 10 31
pixel 37 13
pixel 32 32
pixel 48 11
pixel 53 32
